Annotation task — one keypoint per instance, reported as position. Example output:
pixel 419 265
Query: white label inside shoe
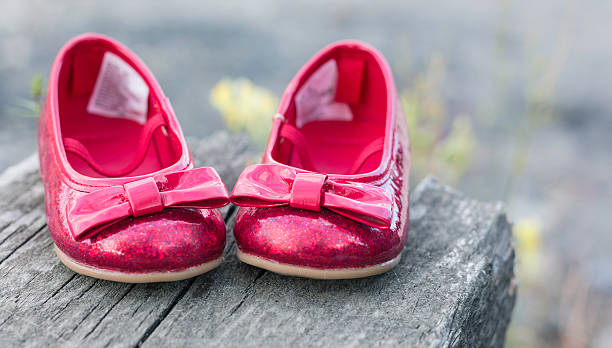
pixel 315 99
pixel 119 91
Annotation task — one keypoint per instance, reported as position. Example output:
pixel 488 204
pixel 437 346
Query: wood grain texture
pixel 453 287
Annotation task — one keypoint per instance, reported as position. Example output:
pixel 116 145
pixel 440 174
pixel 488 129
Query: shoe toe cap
pixel 313 239
pixel 172 240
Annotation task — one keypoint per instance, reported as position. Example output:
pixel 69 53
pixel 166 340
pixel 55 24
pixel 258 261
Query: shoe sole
pixel 121 277
pixel 316 273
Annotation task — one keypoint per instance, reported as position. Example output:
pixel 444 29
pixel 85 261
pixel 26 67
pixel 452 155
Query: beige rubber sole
pixel 315 273
pixel 136 277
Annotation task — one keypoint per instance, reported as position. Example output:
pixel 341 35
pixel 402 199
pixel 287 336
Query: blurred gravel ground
pixel 507 64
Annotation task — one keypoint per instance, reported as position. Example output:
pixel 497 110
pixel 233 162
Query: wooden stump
pixel 453 287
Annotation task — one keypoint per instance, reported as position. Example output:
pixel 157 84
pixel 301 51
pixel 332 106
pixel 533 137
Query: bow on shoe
pixel 199 188
pixel 269 185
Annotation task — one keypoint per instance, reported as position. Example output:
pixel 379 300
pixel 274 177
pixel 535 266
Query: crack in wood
pixel 131 286
pixel 19 229
pixel 16 219
pixel 230 213
pixel 165 313
pixel 60 288
pixel 246 294
pixel 13 315
pixel 23 243
pixel 93 283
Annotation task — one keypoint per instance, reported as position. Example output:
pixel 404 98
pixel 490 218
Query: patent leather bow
pixel 199 188
pixel 269 185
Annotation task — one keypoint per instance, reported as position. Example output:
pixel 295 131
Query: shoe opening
pixel 336 119
pixel 111 122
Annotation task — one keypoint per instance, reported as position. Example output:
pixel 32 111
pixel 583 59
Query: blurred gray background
pixel 534 79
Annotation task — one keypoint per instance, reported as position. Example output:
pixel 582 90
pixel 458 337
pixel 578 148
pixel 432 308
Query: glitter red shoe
pixel 330 199
pixel 123 200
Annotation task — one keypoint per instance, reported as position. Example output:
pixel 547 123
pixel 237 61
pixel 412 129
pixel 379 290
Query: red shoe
pixel 122 198
pixel 330 200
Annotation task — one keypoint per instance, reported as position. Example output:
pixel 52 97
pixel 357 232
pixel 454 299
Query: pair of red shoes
pixel 124 203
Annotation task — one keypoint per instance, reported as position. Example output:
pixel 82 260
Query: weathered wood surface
pixel 453 287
